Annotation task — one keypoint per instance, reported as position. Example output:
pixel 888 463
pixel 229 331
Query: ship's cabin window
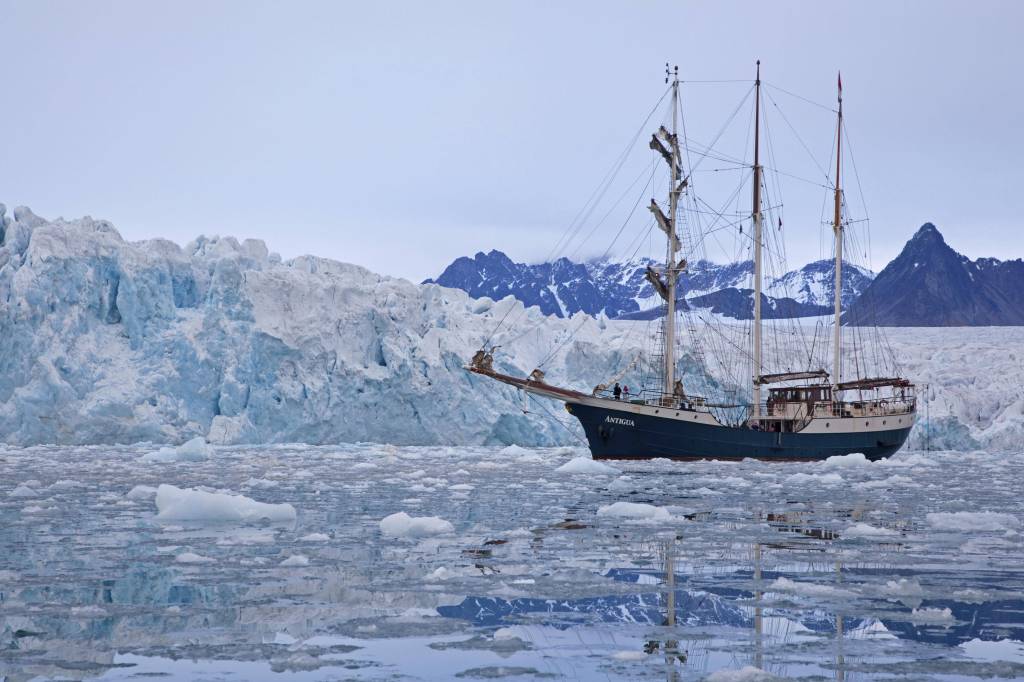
pixel 800 395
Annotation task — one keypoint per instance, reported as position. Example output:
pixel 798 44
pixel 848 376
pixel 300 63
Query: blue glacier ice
pixel 107 340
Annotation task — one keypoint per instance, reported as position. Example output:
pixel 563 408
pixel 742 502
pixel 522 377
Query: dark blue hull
pixel 629 435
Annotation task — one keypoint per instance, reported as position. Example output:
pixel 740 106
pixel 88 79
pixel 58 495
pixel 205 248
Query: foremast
pixel 837 229
pixel 665 282
pixel 757 219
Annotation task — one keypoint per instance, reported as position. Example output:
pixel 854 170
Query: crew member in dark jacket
pixel 617 391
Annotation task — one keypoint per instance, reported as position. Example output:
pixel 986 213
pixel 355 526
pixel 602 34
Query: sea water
pixel 376 562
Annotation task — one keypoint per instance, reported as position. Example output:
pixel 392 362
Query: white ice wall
pixel 103 340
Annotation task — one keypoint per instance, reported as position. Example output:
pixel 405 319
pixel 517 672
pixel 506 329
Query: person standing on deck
pixel 617 391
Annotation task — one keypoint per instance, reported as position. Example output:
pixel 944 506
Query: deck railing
pixel 875 407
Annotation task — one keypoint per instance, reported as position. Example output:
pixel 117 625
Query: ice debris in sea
pixel 189 504
pixel 195 450
pixel 586 465
pixel 401 525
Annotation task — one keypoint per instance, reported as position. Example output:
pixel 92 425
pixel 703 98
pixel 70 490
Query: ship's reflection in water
pixel 770 572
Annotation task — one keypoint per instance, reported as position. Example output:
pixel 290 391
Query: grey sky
pixel 401 135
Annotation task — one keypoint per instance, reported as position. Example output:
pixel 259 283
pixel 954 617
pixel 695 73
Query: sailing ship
pixel 802 415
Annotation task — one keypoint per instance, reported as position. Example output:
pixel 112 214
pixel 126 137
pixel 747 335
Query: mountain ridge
pixel 940 287
pixel 618 289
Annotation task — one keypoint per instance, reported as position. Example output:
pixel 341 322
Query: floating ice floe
pixel 894 481
pixel 931 616
pixel 295 560
pixel 801 478
pixel 195 450
pixel 747 673
pixel 905 460
pixel 998 650
pixel 629 655
pixel 193 558
pixel 141 492
pixel 854 459
pixel 903 587
pixel 23 491
pixel 64 484
pixel 401 525
pixel 315 537
pixel 634 510
pixel 586 465
pixel 966 521
pixel 440 573
pixel 864 530
pixel 188 504
pixel 783 584
pixel 973 596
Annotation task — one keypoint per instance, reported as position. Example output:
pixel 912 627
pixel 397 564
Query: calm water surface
pixel 907 569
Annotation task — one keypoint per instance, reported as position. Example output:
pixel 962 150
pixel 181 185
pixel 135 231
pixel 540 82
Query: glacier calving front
pixel 112 341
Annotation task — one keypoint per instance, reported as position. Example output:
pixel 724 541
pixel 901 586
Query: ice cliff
pixel 105 340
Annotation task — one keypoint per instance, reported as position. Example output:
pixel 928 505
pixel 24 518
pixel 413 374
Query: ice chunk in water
pixel 931 616
pixel 854 459
pixel 185 504
pixel 973 521
pixel 141 492
pixel 193 558
pixel 315 537
pixel 195 450
pixel 747 673
pixel 586 465
pixel 629 655
pixel 634 510
pixel 401 525
pixel 863 530
pixel 23 491
pixel 807 589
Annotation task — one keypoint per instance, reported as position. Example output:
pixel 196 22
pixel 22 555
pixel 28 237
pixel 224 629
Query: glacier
pixel 113 341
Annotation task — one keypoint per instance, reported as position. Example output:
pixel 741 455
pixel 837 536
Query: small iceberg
pixel 586 465
pixel 195 450
pixel 189 504
pixel 401 525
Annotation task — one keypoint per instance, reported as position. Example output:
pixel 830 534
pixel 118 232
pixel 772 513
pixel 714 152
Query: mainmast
pixel 665 282
pixel 756 413
pixel 837 229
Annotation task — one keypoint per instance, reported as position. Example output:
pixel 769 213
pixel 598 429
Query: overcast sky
pixel 402 135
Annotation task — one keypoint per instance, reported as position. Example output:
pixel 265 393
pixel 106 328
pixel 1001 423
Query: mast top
pixel 670 74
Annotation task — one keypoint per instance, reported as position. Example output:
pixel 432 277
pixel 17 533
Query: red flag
pixel 840 81
pixel 780 223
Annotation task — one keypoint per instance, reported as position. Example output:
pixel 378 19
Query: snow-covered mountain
pixel 106 340
pixel 930 284
pixel 618 289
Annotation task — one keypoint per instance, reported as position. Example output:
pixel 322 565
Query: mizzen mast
pixel 665 282
pixel 757 217
pixel 837 228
